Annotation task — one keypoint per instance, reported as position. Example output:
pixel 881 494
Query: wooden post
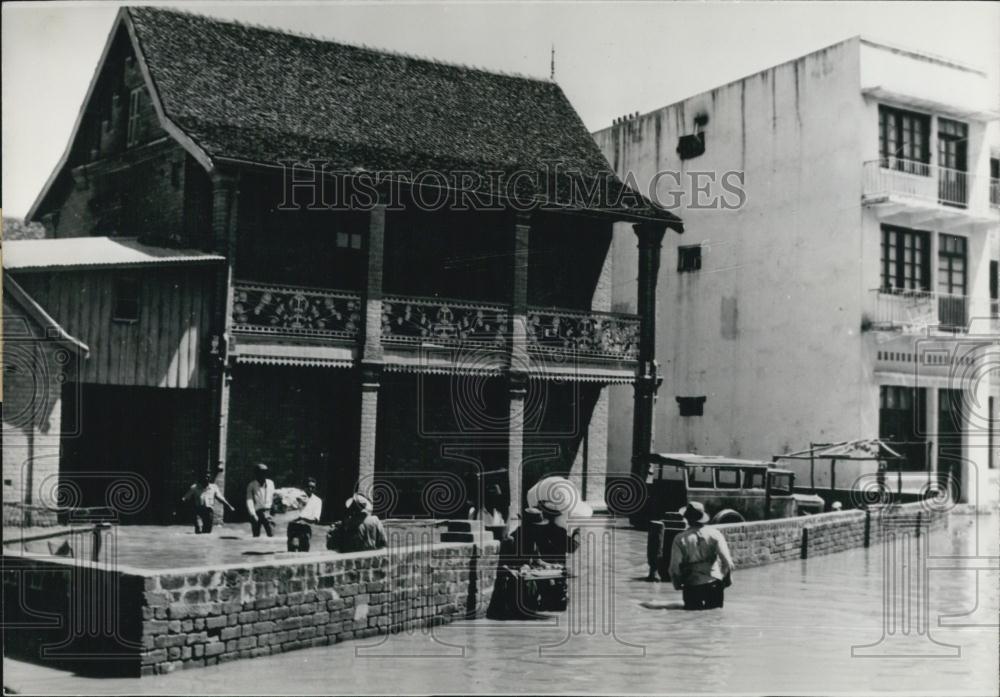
pixel 804 550
pixel 225 221
pixel 518 365
pixel 868 528
pixel 812 469
pixel 647 382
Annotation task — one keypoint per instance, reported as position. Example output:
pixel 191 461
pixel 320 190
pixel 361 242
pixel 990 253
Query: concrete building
pixel 851 291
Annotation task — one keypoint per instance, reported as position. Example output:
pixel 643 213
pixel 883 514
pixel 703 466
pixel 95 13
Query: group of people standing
pixel 531 573
pixel 359 529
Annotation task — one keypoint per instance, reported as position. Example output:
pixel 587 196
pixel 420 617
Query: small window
pixel 126 305
pixel 349 240
pixel 727 478
pixel 671 473
pixel 689 258
pixel 691 406
pixel 701 476
pixel 753 479
pixel 134 106
pixel 781 484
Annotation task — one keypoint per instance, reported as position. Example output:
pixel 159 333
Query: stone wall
pixel 765 541
pixel 188 618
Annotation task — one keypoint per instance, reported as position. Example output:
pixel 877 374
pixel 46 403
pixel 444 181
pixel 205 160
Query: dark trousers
pixel 299 536
pixel 204 518
pixel 260 520
pixel 704 597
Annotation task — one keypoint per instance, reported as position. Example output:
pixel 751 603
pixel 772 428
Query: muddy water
pixel 786 628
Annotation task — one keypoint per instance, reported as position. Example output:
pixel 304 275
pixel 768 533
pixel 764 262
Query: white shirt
pixel 259 496
pixel 313 508
pixel 205 496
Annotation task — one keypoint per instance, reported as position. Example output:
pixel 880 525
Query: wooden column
pixel 371 350
pixel 225 204
pixel 646 380
pixel 518 369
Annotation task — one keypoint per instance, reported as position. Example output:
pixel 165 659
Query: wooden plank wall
pixel 168 344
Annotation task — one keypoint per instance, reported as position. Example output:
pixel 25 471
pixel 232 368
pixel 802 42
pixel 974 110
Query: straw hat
pixel 360 501
pixel 694 512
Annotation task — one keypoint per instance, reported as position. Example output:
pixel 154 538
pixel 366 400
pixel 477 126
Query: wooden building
pixel 373 330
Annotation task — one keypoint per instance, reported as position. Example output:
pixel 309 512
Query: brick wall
pixel 35 370
pixel 47 615
pixel 300 422
pixel 766 541
pixel 190 618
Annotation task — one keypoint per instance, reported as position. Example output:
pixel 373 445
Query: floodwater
pixel 786 628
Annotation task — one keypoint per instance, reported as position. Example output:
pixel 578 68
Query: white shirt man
pixel 313 508
pixel 260 498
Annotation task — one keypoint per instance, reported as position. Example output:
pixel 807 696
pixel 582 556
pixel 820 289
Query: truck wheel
pixel 727 515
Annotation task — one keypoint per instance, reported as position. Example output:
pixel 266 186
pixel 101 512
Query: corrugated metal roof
pixel 95 252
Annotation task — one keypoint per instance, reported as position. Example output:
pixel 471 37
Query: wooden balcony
pixel 297 325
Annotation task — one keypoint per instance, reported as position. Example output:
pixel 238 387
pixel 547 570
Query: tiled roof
pixel 94 252
pixel 262 96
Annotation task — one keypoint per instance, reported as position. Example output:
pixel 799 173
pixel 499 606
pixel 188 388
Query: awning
pixel 67 253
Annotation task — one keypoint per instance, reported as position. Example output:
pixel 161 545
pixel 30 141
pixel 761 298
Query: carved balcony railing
pixel 598 334
pixel 295 312
pixel 289 310
pixel 411 320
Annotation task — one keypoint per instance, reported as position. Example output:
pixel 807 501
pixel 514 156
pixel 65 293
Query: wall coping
pixel 295 559
pixel 829 516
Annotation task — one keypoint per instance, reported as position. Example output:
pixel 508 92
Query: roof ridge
pixel 349 44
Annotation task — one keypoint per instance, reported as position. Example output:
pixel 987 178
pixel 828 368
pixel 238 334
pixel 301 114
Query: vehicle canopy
pixel 704 460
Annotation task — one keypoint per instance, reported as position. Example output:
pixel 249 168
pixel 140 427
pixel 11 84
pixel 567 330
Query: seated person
pixel 300 529
pixel 359 530
pixel 556 543
pixel 516 595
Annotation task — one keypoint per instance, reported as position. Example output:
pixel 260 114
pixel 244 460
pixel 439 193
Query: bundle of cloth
pixel 559 501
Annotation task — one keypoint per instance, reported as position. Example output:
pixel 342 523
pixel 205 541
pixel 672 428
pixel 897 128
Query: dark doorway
pixel 132 449
pixel 953 139
pixel 951 417
pixel 903 423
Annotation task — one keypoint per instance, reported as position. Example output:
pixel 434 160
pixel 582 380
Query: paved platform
pixel 175 546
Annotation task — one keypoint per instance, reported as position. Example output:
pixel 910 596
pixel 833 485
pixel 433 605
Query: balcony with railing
pixel 281 323
pixel 912 192
pixel 919 311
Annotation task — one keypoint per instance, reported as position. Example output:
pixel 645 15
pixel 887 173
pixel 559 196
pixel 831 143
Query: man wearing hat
pixel 260 499
pixel 556 543
pixel 359 530
pixel 700 563
pixel 300 529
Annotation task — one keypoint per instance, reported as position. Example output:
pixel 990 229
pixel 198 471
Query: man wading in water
pixel 700 564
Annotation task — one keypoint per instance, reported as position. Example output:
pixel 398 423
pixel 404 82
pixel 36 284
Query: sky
pixel 611 58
